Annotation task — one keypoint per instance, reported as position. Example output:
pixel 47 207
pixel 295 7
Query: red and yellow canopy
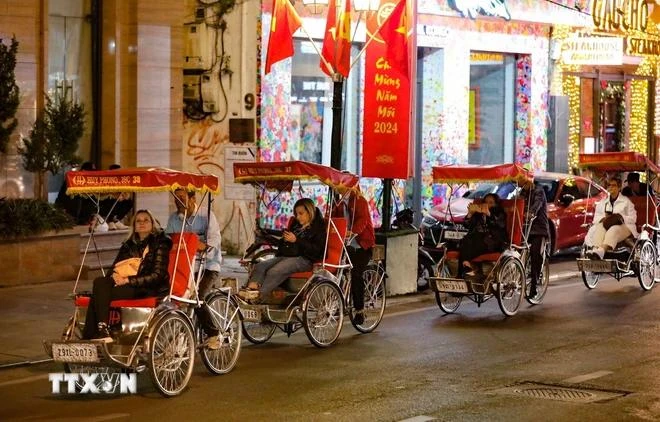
pixel 617 161
pixel 281 175
pixel 469 173
pixel 138 180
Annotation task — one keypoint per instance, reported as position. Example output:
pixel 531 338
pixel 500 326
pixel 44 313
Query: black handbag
pixel 288 249
pixel 612 220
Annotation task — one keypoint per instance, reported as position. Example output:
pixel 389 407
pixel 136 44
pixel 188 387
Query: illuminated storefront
pixel 608 71
pixel 481 92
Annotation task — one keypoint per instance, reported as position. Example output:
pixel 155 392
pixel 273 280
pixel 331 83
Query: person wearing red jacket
pixel 356 209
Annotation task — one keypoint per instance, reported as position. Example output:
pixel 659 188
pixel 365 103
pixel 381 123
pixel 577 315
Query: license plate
pixel 74 352
pixel 454 235
pixel 454 286
pixel 596 266
pixel 251 315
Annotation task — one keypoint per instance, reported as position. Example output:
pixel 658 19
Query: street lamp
pixel 315 6
pixel 338 81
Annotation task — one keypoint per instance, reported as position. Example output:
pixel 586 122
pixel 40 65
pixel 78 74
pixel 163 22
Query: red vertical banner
pixel 386 136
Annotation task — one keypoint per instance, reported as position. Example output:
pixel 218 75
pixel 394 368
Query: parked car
pixel 568 197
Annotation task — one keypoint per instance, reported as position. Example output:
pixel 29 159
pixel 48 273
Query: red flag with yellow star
pixel 284 23
pixel 337 41
pixel 394 33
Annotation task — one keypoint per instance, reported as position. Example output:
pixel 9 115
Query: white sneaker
pixel 596 253
pixel 121 226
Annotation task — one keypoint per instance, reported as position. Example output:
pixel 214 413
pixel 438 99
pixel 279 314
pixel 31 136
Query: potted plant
pixel 9 92
pixel 53 141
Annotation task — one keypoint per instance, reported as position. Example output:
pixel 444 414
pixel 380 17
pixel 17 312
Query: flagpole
pixel 325 62
pixel 371 38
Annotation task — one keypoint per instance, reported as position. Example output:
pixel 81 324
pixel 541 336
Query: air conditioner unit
pixel 197 53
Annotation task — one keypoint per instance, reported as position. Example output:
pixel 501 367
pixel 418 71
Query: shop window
pixel 311 109
pixel 491 109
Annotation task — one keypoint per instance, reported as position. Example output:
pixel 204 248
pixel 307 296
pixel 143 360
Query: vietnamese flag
pixel 394 33
pixel 337 40
pixel 284 23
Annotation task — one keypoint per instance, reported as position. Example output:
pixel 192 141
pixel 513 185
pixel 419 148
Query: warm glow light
pixel 638 116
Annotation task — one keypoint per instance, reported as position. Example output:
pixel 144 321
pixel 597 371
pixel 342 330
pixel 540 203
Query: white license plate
pixel 596 266
pixel 74 352
pixel 454 235
pixel 251 315
pixel 451 286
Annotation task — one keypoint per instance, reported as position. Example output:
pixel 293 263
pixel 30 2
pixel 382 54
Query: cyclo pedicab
pixel 506 275
pixel 314 300
pixel 631 257
pixel 159 334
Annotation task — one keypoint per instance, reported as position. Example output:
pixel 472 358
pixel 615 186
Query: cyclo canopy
pixel 617 161
pixel 139 179
pixel 469 173
pixel 281 175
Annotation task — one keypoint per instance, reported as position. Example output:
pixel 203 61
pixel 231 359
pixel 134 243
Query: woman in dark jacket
pixel 301 245
pixel 152 278
pixel 486 225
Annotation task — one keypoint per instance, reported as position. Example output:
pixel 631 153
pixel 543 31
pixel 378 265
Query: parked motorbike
pixel 263 247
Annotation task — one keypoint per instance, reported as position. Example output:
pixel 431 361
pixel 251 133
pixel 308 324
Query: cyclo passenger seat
pixel 188 244
pixel 514 209
pixel 641 209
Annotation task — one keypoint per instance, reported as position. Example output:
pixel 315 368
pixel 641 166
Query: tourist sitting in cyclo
pixel 614 218
pixel 486 223
pixel 148 242
pixel 301 245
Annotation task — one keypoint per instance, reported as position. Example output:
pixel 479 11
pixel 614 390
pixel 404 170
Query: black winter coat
pixel 310 241
pixel 537 205
pixel 152 277
pixel 490 230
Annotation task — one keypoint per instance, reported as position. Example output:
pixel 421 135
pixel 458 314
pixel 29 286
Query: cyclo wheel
pixel 258 332
pixel 323 313
pixel 225 317
pixel 645 265
pixel 171 354
pixel 510 286
pixel 542 288
pixel 374 299
pixel 448 302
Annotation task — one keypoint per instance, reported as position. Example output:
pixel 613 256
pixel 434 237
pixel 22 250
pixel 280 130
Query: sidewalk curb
pixel 564 275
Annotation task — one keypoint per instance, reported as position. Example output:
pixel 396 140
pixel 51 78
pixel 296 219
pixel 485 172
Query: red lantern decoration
pixel 626 85
pixel 603 84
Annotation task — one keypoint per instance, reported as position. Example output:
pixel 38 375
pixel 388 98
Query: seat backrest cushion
pixel 640 203
pixel 187 243
pixel 336 241
pixel 514 209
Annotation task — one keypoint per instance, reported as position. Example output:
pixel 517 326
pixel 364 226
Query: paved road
pixel 419 364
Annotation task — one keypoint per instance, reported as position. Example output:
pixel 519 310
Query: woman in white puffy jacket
pixel 614 221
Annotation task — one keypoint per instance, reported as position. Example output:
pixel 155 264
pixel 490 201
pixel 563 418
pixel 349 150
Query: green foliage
pixel 30 217
pixel 53 140
pixel 9 93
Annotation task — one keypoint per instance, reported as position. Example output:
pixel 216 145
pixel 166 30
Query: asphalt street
pixel 581 355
